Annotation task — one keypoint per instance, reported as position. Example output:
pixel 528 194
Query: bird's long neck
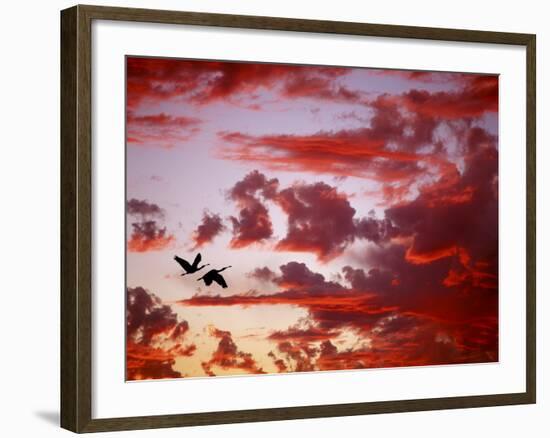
pixel 200 267
pixel 223 269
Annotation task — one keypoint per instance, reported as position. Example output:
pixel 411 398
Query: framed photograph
pixel 270 218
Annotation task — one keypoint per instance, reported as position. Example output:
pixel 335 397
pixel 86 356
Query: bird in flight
pixel 214 276
pixel 190 268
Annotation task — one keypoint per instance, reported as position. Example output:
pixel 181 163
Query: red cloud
pixel 309 334
pixel 374 280
pixel 479 96
pixel 347 153
pixel 375 230
pixel 385 151
pixel 413 314
pixel 136 207
pixel 422 289
pixel 154 79
pixel 417 258
pixel 427 292
pixel 144 362
pixel 146 316
pixel 443 274
pixel 309 290
pixel 234 78
pixel 408 341
pixel 253 225
pixel 228 356
pixel 147 234
pixel 262 274
pixel 426 76
pixel 389 150
pixel 430 295
pixel 300 356
pixel 303 298
pixel 319 87
pixel 160 130
pixel 320 220
pixel 210 226
pixel 456 216
pixel 279 363
pixel 296 275
pixel 153 337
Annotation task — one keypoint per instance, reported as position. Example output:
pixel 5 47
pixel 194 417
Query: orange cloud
pixel 147 234
pixel 154 337
pixel 228 356
pixel 418 258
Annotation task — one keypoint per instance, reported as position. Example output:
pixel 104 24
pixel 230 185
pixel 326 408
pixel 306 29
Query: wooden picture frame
pixel 76 218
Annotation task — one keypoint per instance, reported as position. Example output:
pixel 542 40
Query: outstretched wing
pixel 197 260
pixel 220 280
pixel 183 263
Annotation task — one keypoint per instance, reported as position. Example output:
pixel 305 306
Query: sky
pixel 357 208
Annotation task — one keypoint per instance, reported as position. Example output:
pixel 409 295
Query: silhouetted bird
pixel 214 275
pixel 190 269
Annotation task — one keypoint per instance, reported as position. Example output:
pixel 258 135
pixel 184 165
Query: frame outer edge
pixel 531 310
pixel 68 346
pixel 76 250
pixel 84 216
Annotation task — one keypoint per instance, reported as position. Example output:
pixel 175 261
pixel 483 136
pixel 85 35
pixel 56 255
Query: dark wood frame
pixel 76 243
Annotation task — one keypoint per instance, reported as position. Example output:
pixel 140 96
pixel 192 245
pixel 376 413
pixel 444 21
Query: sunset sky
pixel 358 209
